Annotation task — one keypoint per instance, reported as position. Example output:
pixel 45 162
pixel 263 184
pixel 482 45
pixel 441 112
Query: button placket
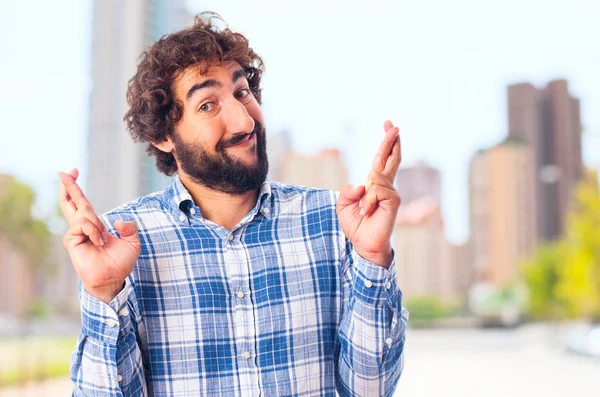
pixel 243 320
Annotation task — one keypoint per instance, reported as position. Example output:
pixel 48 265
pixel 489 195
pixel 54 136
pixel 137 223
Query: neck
pixel 221 208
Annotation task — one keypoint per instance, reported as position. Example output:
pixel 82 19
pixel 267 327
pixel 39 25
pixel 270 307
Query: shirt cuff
pixel 374 284
pixel 101 321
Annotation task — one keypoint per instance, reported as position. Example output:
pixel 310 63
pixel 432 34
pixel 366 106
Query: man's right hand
pixel 101 260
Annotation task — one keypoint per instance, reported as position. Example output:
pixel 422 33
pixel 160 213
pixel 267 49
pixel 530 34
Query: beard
pixel 220 171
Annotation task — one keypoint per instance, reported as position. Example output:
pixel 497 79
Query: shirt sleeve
pixel 372 330
pixel 107 359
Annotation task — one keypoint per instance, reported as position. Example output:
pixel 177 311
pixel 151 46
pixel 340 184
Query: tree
pixel 564 277
pixel 541 275
pixel 579 277
pixel 23 232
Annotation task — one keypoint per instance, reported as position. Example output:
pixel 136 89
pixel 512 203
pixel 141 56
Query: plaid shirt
pixel 280 306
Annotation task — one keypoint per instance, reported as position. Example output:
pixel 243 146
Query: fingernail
pixel 105 235
pixel 362 211
pixel 101 241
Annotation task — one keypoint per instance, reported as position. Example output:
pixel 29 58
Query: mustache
pixel 239 137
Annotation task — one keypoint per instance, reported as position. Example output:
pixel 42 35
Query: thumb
pixel 128 231
pixel 350 194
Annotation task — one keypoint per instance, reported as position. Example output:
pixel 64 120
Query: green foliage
pixel 511 295
pixel 579 278
pixel 541 275
pixel 18 227
pixel 38 309
pixel 426 308
pixel 564 277
pixel 44 358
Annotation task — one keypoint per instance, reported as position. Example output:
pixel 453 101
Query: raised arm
pixel 107 360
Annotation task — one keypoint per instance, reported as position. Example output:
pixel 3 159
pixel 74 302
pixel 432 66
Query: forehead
pixel 193 75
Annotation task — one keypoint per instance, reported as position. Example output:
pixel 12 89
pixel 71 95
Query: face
pixel 220 140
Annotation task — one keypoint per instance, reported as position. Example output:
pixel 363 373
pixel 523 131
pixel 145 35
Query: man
pixel 227 284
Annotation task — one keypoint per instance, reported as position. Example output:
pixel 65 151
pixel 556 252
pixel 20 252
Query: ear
pixel 165 146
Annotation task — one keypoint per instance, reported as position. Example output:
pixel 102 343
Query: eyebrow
pixel 239 73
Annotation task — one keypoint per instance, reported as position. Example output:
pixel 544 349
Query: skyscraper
pixel 502 214
pixel 549 120
pixel 324 170
pixel 118 169
pixel 417 181
pixel 419 244
pixel 427 264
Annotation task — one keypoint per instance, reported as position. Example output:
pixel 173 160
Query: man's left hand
pixel 367 213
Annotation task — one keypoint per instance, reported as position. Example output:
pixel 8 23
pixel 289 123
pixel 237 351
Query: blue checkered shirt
pixel 279 306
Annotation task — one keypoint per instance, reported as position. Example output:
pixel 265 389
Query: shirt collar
pixel 180 199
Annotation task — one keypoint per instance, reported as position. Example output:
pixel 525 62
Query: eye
pixel 206 107
pixel 243 93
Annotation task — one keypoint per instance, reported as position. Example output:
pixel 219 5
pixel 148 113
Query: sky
pixel 334 72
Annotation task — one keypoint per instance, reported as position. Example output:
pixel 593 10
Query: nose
pixel 238 119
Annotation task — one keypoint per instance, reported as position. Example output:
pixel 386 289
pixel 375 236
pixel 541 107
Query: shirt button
pixel 388 285
pixel 388 341
pixel 368 284
pixel 124 312
pixel 240 294
pixel 182 217
pixel 111 323
pixel 266 211
pixel 230 237
pixel 119 378
pixel 193 211
pixel 246 355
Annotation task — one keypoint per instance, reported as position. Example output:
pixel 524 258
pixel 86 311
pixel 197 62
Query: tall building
pixel 502 215
pixel 118 169
pixel 324 170
pixel 419 245
pixel 418 181
pixel 549 120
pixel 455 272
pixel 479 214
pixel 426 263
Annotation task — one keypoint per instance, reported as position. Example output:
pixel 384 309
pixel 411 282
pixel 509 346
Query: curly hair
pixel 153 109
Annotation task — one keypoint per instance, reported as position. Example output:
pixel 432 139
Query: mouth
pixel 243 140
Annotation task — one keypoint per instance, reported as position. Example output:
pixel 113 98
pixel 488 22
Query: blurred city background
pixel 498 236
